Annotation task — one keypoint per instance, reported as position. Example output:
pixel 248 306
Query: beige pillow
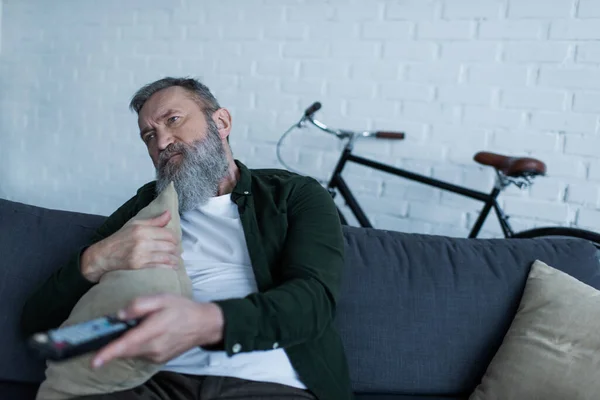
pixel 115 290
pixel 552 349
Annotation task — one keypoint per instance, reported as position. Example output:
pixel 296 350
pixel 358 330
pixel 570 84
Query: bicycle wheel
pixel 560 231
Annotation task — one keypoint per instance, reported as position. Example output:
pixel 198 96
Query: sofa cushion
pixel 34 242
pixel 115 290
pixel 552 349
pixel 425 315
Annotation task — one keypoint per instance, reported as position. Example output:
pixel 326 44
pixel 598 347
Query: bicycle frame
pixel 338 183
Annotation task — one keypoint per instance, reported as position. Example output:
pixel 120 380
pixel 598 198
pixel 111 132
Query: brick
pixel 324 69
pixel 143 32
pixel 468 9
pixel 588 9
pixel 255 84
pixel 374 110
pixel 585 123
pixel 305 50
pixel 588 53
pixel 585 193
pixel 364 185
pixel 411 10
pixel 575 29
pixel 312 87
pixel 486 117
pixel 440 73
pixel 541 210
pixel 430 112
pixel 445 30
pixel 564 166
pixel 594 170
pixel 192 14
pixel 373 148
pixel 586 102
pixel 276 100
pixel 510 30
pixel 277 67
pixel 354 50
pixel 498 75
pixel 234 66
pixel 387 30
pixel 332 31
pixel 212 51
pixel 411 191
pixel 548 189
pixel 423 151
pixel 437 214
pixel 448 134
pixel 308 13
pixel 376 206
pixel 589 219
pixel 582 145
pixel 465 94
pixel 450 231
pixel 542 52
pixel 259 50
pixel 540 9
pixel 285 31
pixel 351 89
pixel 570 78
pixel 402 225
pixel 267 14
pixel 309 162
pixel 358 11
pixel 409 51
pixel 406 91
pixel 373 70
pixel 468 51
pixel 516 142
pixel 534 99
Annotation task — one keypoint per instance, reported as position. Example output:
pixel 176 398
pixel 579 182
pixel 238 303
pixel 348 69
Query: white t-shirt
pixel 217 261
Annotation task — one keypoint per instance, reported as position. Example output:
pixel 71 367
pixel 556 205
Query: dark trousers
pixel 173 386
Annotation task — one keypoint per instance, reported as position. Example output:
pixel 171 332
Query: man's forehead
pixel 174 97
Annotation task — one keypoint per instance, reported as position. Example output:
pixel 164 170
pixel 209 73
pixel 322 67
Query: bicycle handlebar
pixel 389 135
pixel 316 106
pixel 344 134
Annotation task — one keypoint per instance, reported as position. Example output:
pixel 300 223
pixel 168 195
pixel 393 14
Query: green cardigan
pixel 296 247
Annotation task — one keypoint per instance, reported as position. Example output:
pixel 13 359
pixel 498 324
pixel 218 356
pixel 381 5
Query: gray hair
pixel 199 92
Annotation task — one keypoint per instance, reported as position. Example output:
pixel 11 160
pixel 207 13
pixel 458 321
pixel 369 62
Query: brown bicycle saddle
pixel 511 166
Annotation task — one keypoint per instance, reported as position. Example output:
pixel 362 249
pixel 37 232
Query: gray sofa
pixel 421 316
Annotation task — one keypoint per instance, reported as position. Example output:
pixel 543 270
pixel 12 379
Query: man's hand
pixel 171 326
pixel 138 244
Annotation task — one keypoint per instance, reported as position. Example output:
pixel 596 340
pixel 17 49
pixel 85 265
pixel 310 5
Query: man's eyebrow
pixel 164 115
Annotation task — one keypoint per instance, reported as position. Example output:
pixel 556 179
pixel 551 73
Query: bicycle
pixel 520 171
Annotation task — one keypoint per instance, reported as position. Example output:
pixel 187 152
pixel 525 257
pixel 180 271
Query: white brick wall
pixel 459 76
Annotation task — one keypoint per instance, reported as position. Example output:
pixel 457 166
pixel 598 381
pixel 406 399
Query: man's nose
pixel 163 141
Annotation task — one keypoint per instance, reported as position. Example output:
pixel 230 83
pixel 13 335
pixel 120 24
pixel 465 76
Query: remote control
pixel 70 341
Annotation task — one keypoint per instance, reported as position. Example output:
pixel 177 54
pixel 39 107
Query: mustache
pixel 170 151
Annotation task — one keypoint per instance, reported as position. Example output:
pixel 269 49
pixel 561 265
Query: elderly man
pixel 265 285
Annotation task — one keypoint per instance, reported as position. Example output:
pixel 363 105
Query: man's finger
pixel 160 220
pixel 143 306
pixel 128 345
pixel 131 344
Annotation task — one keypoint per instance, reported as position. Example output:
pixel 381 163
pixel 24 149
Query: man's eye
pixel 148 137
pixel 173 119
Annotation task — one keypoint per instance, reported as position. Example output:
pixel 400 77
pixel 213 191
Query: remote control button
pixel 40 338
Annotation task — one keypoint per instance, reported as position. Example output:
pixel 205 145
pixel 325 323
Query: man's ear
pixel 222 119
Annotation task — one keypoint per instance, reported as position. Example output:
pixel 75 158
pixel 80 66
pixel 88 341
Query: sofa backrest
pixel 425 314
pixel 34 242
pixel 417 314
